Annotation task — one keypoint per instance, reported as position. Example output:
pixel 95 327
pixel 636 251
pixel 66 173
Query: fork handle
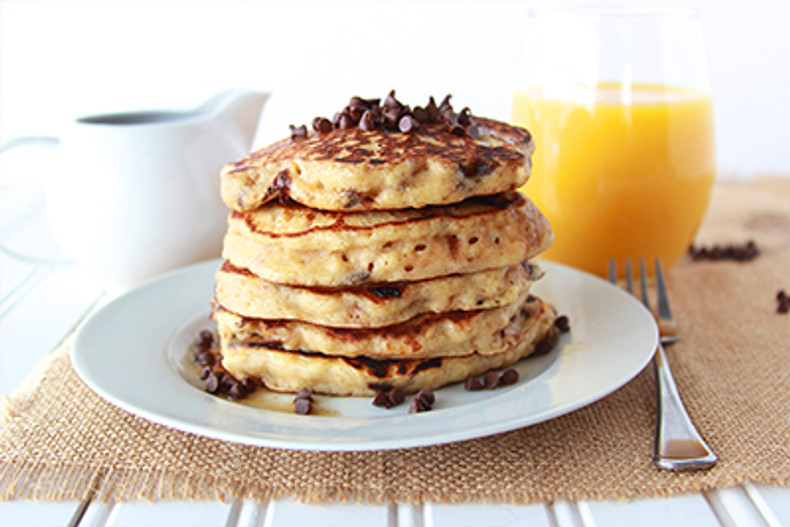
pixel 678 445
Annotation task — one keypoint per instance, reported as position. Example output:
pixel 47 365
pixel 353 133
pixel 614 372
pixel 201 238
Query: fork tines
pixel 666 321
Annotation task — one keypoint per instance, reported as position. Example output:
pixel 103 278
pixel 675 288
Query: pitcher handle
pixel 29 140
pixel 17 142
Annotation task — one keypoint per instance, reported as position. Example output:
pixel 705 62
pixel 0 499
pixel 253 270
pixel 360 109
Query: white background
pixel 65 59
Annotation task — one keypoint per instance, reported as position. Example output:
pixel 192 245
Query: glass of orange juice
pixel 619 105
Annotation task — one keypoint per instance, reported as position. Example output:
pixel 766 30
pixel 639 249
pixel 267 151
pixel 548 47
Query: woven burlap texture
pixel 59 441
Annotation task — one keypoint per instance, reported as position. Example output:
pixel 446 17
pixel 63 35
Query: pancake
pixel 485 331
pixel 375 305
pixel 354 169
pixel 290 371
pixel 291 244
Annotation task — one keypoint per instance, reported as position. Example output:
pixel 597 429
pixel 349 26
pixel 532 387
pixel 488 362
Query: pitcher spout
pixel 240 107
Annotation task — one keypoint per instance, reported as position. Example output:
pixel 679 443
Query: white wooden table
pixel 40 303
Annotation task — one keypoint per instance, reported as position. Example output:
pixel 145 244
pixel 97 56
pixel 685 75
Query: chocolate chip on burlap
pixel 740 253
pixel 783 302
pixel 733 349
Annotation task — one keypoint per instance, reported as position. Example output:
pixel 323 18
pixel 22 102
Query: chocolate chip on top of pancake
pixel 379 156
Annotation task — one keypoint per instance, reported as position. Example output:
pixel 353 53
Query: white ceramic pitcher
pixel 135 194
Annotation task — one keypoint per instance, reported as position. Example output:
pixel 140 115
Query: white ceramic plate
pixel 134 352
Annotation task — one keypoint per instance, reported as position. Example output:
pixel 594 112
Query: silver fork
pixel 678 445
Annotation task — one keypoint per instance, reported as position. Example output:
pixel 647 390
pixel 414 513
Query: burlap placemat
pixel 60 441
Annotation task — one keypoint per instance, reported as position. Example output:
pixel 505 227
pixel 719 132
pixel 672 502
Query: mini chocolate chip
pixel 212 382
pixel 473 384
pixel 543 346
pixel 382 399
pixel 427 395
pixel 298 133
pixel 783 302
pixel 508 377
pixel 396 396
pixel 250 384
pixel 386 291
pixel 345 122
pixel 204 357
pixel 204 373
pixel 445 104
pixel 433 110
pixel 491 380
pixel 366 123
pixel 356 112
pixel 358 102
pixel 237 391
pixel 302 406
pixel 420 114
pixel 322 125
pixel 304 393
pixel 391 115
pixel 457 129
pixel 226 382
pixel 419 405
pixel 562 323
pixel 473 131
pixel 407 123
pixel 463 117
pixel 391 102
pixel 739 253
pixel 206 338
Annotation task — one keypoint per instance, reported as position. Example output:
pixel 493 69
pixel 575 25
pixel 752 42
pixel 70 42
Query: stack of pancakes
pixel 385 248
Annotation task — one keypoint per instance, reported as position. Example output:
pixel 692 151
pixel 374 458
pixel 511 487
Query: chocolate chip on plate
pixel 491 380
pixel 422 402
pixel 205 338
pixel 543 346
pixel 237 390
pixel 396 396
pixel 212 382
pixel 302 406
pixel 382 399
pixel 508 377
pixel 303 401
pixel 562 323
pixel 473 384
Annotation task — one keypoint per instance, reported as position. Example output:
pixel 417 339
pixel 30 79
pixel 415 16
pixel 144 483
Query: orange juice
pixel 626 174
